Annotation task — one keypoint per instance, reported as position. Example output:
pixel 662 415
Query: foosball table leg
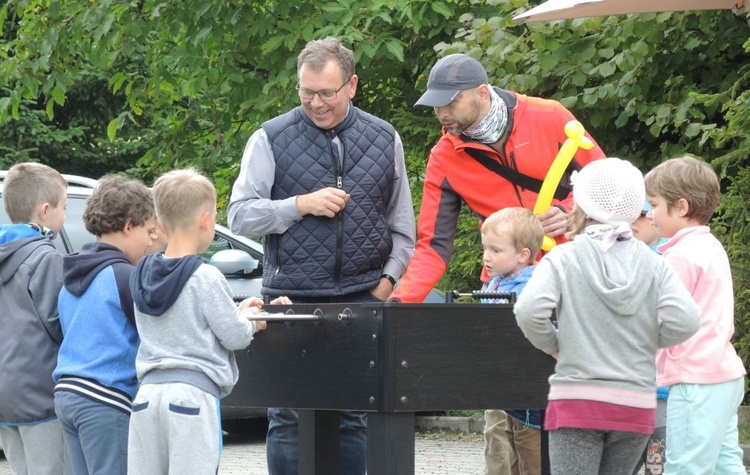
pixel 390 443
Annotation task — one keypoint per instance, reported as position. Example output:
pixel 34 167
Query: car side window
pixel 75 230
pixel 4 219
pixel 218 244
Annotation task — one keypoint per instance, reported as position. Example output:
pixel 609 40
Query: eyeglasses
pixel 325 94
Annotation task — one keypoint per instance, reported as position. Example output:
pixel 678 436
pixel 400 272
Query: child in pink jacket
pixel 705 373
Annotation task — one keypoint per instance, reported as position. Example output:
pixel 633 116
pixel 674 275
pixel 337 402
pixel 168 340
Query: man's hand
pixel 554 221
pixel 383 290
pixel 325 202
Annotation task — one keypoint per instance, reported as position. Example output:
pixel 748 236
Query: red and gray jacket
pixel 537 132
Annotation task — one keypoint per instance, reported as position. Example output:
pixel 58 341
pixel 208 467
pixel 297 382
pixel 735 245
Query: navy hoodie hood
pixel 158 281
pixel 80 270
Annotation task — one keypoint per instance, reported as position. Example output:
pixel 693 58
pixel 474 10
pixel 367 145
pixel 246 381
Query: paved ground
pixel 436 454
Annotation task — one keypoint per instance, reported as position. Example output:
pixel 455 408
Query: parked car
pixel 242 265
pixel 239 258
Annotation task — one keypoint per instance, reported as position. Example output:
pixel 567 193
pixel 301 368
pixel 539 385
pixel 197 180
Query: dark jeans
pixel 281 442
pixel 96 435
pixel 282 439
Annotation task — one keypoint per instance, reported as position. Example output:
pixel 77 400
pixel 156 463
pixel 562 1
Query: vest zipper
pixel 338 169
pixel 277 239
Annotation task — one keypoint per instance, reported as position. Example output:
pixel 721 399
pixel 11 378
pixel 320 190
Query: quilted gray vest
pixel 320 256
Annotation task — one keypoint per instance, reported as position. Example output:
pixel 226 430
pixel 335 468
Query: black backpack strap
pixel 514 176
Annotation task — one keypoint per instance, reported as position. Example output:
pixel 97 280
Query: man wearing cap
pixel 496 149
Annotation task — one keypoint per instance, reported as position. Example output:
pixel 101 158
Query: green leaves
pixel 151 85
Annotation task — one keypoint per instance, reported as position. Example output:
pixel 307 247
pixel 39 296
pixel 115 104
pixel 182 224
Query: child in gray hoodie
pixel 189 328
pixel 616 303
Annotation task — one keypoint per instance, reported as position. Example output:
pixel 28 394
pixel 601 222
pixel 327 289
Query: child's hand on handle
pixel 253 306
pixel 252 302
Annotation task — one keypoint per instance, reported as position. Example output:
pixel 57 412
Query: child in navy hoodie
pixel 189 327
pixel 95 373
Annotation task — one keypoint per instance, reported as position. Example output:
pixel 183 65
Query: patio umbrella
pixel 563 9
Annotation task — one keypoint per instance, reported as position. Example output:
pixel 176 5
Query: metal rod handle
pixel 283 317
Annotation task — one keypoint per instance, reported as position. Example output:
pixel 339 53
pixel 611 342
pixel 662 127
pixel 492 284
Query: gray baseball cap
pixel 449 76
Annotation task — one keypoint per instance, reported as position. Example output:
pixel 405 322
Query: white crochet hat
pixel 610 190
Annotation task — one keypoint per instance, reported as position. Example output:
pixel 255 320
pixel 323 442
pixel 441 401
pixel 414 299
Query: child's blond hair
pixel 686 178
pixel 525 229
pixel 577 222
pixel 28 185
pixel 180 196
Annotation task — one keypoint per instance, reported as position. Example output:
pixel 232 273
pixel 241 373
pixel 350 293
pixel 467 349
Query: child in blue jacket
pixel 511 239
pixel 95 374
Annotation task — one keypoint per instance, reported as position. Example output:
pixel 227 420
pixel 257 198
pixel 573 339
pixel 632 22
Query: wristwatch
pixel 390 279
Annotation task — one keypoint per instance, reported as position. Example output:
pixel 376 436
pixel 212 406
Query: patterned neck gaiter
pixel 46 232
pixel 490 129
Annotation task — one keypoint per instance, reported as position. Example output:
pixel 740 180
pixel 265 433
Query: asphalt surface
pixel 436 453
pixel 443 446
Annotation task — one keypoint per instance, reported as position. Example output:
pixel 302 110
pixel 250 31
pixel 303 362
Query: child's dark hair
pixel 114 202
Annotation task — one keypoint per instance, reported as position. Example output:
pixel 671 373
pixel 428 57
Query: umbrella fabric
pixel 564 9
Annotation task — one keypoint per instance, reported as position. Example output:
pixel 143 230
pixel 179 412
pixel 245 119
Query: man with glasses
pixel 325 184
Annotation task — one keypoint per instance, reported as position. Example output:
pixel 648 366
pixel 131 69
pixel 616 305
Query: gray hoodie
pixel 614 309
pixel 188 323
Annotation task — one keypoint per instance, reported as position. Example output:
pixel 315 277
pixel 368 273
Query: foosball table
pixel 390 360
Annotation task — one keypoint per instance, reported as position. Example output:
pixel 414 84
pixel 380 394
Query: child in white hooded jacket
pixel 617 302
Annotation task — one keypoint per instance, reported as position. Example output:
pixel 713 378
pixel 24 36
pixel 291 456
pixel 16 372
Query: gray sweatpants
pixel 175 429
pixel 594 451
pixel 35 448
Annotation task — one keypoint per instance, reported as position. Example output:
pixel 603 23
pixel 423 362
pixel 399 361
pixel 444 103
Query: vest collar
pixel 348 121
